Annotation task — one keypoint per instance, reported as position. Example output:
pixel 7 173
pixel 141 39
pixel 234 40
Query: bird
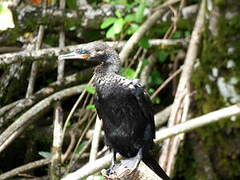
pixel 122 104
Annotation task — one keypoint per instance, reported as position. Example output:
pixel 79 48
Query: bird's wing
pixel 97 105
pixel 144 103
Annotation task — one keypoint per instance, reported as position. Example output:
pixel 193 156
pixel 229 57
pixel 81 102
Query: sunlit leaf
pixel 108 22
pixel 118 25
pixel 140 12
pixel 6 18
pixel 130 18
pixel 118 14
pixel 91 107
pixel 128 73
pixel 132 29
pixel 110 33
pixel 45 154
pixel 89 89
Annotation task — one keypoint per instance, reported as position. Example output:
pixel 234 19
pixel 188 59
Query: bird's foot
pixel 112 169
pixel 132 163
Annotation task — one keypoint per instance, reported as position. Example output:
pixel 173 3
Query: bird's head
pixel 97 51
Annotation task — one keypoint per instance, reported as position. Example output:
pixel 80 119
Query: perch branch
pixel 33 113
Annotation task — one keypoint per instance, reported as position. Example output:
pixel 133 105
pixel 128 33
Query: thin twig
pixel 74 159
pixel 163 85
pixel 74 108
pixel 96 139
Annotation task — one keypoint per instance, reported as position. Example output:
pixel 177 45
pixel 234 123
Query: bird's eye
pixel 81 51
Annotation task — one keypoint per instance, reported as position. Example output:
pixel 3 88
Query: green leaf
pixel 145 62
pixel 144 43
pixel 45 154
pixel 91 107
pixel 176 35
pixel 132 29
pixel 128 73
pixel 156 100
pixel 155 78
pixel 110 33
pixel 162 56
pixel 107 22
pixel 118 14
pixel 89 89
pixel 80 147
pixel 118 25
pixel 140 12
pixel 130 18
pixel 71 4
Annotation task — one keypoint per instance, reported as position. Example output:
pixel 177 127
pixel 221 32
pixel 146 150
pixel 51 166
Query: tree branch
pixel 26 56
pixel 33 113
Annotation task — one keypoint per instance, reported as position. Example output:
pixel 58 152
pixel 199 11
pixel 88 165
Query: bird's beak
pixel 73 55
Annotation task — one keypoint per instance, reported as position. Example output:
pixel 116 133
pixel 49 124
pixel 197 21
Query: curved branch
pixel 33 113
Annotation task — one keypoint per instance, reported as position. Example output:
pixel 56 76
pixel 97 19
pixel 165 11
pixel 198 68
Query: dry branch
pixel 95 140
pixel 198 122
pixel 24 168
pixel 9 111
pixel 34 113
pixel 26 56
pixel 55 168
pixel 181 101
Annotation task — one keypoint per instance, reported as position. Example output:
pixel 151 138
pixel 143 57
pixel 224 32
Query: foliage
pixel 129 23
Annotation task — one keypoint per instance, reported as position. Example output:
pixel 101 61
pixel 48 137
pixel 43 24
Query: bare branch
pixel 26 56
pixel 96 139
pixel 33 113
pixel 198 122
pixel 9 111
pixel 180 107
pixel 24 168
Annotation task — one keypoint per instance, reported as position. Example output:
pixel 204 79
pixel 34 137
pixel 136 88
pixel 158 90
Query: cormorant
pixel 123 106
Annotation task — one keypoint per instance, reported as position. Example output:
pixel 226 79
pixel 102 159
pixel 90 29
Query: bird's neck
pixel 110 66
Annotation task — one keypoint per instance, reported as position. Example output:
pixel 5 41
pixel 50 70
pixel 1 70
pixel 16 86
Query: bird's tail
pixel 153 164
